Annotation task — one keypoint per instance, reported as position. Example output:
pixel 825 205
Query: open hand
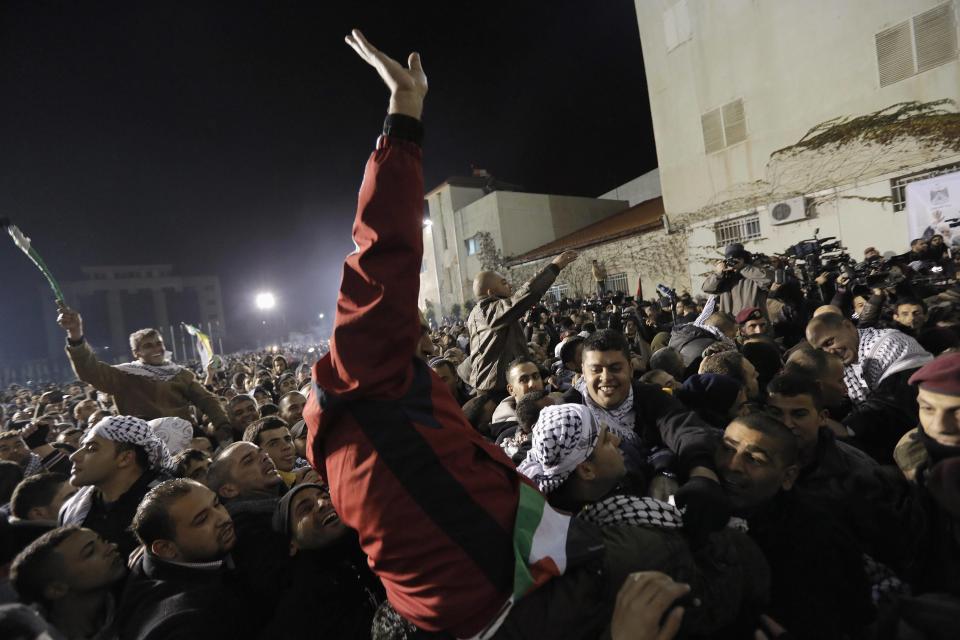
pixel 565 258
pixel 407 86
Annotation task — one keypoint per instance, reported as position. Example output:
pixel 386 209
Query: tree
pixel 429 312
pixel 455 310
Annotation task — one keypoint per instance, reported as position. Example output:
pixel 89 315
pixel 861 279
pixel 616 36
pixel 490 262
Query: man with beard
pixel 183 585
pixel 119 459
pixel 150 386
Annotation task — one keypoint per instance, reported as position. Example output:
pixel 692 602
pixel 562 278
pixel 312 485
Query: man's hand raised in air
pixel 71 322
pixel 565 258
pixel 407 86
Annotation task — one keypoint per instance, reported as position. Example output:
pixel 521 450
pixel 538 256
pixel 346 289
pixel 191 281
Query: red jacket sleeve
pixel 377 325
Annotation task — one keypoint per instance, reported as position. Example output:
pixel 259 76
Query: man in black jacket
pixel 329 591
pixel 819 589
pixel 657 433
pixel 183 585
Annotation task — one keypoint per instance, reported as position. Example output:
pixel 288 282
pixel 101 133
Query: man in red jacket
pixel 433 503
pixel 462 543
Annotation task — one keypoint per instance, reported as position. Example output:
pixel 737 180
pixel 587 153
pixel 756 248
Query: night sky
pixel 229 138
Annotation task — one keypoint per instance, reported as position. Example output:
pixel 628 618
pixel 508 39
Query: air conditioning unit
pixel 787 211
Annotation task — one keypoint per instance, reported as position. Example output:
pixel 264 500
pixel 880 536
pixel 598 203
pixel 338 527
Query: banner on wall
pixel 932 206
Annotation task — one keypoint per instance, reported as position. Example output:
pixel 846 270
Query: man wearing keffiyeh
pixel 574 459
pixel 119 460
pixel 877 365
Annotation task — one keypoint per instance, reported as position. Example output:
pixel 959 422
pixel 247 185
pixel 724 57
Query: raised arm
pixel 512 309
pixel 102 376
pixel 377 325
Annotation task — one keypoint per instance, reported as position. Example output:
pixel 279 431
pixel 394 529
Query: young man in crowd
pixel 38 498
pixel 71 574
pixel 733 365
pixel 329 590
pixel 523 376
pixel 119 459
pixel 751 322
pixel 272 436
pixel 658 434
pixel 909 316
pixel 241 411
pixel 149 387
pixel 29 449
pixel 183 585
pixel 192 464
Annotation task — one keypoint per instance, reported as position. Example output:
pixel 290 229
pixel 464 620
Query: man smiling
pixel 149 387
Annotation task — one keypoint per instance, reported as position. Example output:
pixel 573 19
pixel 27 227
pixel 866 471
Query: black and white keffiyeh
pixel 565 435
pixel 175 432
pixel 164 372
pixel 619 420
pixel 134 431
pixel 636 511
pixel 882 353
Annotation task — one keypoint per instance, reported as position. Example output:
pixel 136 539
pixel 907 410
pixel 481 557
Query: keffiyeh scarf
pixel 882 353
pixel 133 431
pixel 636 511
pixel 164 372
pixel 620 420
pixel 565 435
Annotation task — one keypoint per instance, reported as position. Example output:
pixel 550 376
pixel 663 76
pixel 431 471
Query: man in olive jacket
pixel 496 335
pixel 149 387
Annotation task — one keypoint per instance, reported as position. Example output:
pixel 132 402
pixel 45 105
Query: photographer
pixel 737 283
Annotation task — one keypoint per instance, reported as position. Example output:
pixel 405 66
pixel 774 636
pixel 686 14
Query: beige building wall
pixel 517 222
pixel 793 65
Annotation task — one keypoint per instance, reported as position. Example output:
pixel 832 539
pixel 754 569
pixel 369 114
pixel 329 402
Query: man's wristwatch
pixel 75 343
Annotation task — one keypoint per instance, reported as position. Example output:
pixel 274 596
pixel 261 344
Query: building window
pixel 559 291
pixel 616 282
pixel 473 246
pixel 927 40
pixel 724 126
pixel 898 186
pixel 737 230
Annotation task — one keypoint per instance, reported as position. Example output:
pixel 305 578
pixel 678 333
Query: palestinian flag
pixel 540 536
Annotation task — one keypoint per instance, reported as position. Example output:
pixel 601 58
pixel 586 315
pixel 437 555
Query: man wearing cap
pixel 751 322
pixel 938 436
pixel 737 283
pixel 329 590
pixel 119 460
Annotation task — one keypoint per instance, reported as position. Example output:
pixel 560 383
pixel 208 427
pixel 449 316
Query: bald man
pixel 496 335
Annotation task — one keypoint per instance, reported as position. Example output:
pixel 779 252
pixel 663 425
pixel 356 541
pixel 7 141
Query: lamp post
pixel 265 302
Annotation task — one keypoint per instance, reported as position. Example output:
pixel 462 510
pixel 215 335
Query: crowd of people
pixel 777 457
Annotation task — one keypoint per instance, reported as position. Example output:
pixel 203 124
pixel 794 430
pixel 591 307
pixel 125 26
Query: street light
pixel 265 301
pixel 320 316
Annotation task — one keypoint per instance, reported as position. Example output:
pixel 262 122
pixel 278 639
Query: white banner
pixel 931 204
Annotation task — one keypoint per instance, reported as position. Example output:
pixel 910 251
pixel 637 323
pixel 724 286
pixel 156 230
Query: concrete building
pixel 117 300
pixel 773 119
pixel 473 221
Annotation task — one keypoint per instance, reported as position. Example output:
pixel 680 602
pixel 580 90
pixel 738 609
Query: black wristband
pixel 75 343
pixel 403 127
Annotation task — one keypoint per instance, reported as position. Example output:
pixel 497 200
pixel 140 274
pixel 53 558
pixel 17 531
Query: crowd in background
pixel 780 455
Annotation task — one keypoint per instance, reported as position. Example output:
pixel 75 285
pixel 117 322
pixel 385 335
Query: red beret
pixel 942 375
pixel 750 313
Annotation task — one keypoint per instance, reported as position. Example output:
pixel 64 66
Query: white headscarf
pixel 176 433
pixel 565 435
